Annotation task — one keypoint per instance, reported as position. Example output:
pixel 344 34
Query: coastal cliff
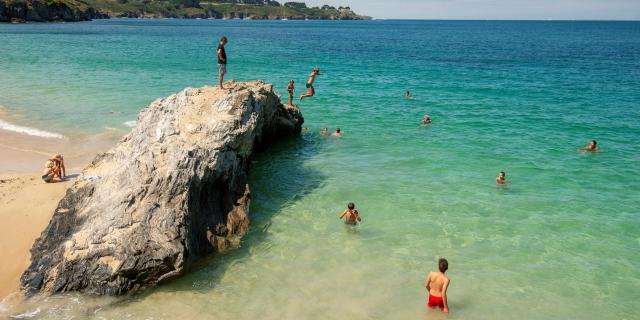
pixel 47 10
pixel 171 191
pixel 80 10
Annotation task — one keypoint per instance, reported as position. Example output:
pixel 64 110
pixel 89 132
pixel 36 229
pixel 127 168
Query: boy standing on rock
pixel 222 61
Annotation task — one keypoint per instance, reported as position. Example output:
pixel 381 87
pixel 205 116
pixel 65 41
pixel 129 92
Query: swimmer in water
pixel 351 215
pixel 325 132
pixel 337 133
pixel 592 147
pixel 437 284
pixel 407 95
pixel 426 119
pixel 501 178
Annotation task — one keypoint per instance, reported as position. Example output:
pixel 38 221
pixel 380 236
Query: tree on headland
pixel 295 5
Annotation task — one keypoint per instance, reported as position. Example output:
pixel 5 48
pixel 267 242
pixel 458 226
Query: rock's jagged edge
pixel 172 190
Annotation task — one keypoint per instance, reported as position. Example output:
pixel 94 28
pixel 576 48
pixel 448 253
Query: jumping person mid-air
pixel 312 77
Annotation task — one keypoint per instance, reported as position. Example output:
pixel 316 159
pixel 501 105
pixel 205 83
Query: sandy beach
pixel 26 202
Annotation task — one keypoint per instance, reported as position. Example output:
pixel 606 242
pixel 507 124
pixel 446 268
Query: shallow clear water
pixel 560 242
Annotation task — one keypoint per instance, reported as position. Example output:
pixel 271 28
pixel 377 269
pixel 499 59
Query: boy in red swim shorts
pixel 437 284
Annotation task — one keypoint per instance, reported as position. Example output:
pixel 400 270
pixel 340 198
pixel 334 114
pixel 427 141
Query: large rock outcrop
pixel 172 190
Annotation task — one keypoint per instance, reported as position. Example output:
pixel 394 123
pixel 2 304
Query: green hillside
pixel 78 10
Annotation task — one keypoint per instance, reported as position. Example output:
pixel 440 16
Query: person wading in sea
pixel 351 215
pixel 437 284
pixel 312 77
pixel 222 61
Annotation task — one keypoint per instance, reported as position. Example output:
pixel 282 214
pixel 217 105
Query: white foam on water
pixel 29 131
pixel 130 124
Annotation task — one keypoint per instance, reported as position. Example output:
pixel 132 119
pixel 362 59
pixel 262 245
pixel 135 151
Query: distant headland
pixel 83 10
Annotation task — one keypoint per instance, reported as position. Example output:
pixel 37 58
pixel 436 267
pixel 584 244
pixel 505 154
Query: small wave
pixel 29 131
pixel 130 124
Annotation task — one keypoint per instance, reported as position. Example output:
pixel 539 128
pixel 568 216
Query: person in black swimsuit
pixel 312 77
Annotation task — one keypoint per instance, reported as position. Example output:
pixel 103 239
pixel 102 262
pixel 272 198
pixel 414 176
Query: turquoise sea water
pixel 560 242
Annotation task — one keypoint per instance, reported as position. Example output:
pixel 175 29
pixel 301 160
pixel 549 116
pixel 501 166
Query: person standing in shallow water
pixel 222 61
pixel 437 284
pixel 351 215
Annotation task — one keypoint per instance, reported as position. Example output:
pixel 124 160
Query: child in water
pixel 437 284
pixel 351 215
pixel 501 178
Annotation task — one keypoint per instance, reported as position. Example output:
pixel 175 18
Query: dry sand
pixel 26 202
pixel 26 205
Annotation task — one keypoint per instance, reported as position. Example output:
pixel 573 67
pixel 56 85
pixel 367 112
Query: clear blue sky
pixel 492 9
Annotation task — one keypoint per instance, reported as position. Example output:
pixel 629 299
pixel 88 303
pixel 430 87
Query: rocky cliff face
pixel 172 190
pixel 42 11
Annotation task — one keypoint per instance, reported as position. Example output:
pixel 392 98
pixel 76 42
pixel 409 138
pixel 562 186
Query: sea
pixel 560 241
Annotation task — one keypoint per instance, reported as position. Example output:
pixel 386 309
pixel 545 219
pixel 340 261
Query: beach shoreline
pixel 26 202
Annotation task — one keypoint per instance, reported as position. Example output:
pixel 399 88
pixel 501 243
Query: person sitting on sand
pixel 290 89
pixel 437 284
pixel 325 132
pixel 351 215
pixel 407 95
pixel 426 119
pixel 501 178
pixel 337 133
pixel 54 167
pixel 592 147
pixel 310 90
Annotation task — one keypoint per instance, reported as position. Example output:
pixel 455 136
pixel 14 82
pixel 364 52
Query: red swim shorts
pixel 435 302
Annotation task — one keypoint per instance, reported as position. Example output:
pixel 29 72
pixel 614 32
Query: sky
pixel 492 9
